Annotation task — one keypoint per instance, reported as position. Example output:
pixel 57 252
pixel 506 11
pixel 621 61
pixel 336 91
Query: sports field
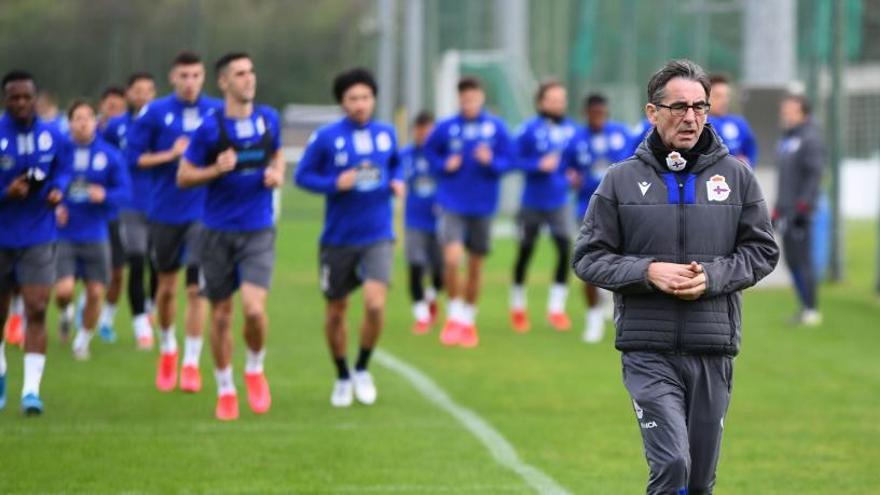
pixel 804 416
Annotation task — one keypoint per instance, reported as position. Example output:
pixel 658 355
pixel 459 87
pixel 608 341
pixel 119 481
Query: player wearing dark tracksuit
pixel 801 158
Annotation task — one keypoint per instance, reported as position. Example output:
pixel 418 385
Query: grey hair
pixel 681 68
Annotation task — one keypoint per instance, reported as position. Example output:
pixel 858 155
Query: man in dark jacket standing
pixel 677 232
pixel 800 162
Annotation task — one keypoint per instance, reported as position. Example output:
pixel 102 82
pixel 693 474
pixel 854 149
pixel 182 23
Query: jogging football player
pixel 140 90
pixel 31 183
pixel 99 181
pixel 237 153
pixel 469 152
pixel 420 238
pixel 158 139
pixel 354 163
pixel 539 149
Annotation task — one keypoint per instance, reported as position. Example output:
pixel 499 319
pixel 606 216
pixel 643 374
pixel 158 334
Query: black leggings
pixel 136 296
pixel 524 256
pixel 416 273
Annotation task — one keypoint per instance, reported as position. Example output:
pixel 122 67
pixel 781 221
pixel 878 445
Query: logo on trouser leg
pixel 639 411
pixel 640 414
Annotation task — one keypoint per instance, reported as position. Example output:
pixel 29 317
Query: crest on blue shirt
pixel 488 129
pixel 99 162
pixel 383 141
pixel 729 131
pixel 44 142
pixel 3 144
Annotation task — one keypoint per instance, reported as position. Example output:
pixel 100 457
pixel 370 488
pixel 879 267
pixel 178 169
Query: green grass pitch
pixel 804 416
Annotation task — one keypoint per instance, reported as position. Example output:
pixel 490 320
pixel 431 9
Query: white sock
pixel 192 350
pixel 430 294
pixel 455 309
pixel 148 305
pixel 254 361
pixel 67 313
pixel 595 317
pixel 83 338
pixel 81 300
pixel 167 340
pixel 142 326
pixel 33 373
pixel 17 306
pixel 108 313
pixel 468 314
pixel 2 358
pixel 421 311
pixel 556 299
pixel 225 385
pixel 518 297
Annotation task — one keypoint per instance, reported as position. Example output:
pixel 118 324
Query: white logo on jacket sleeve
pixel 44 142
pixel 644 186
pixel 99 162
pixel 717 188
pixel 383 142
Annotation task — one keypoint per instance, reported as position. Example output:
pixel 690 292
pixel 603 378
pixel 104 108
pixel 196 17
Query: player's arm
pixel 141 137
pixel 527 157
pixel 501 158
pixel 310 172
pixel 62 170
pixel 395 171
pixel 437 152
pixel 119 186
pixel 190 174
pixel 147 160
pixel 274 175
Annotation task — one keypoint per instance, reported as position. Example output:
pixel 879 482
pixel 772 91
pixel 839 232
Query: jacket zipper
pixel 681 245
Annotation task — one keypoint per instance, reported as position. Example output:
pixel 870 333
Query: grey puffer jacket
pixel 713 214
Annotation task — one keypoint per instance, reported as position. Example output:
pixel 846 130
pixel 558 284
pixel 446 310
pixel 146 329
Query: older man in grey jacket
pixel 677 232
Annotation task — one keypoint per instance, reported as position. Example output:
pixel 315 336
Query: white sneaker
pixel 81 345
pixel 364 388
pixel 811 318
pixel 343 394
pixel 595 326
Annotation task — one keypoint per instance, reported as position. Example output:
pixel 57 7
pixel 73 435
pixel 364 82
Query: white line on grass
pixel 498 446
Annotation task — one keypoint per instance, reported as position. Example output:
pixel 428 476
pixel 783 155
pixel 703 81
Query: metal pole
pixel 415 50
pixel 386 69
pixel 835 123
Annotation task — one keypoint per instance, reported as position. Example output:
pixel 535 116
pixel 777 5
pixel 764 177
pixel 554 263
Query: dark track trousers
pixel 797 243
pixel 680 402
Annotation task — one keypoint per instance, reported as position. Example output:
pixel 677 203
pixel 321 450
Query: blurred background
pixel 828 50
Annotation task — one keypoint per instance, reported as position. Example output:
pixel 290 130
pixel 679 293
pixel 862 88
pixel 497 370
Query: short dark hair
pixel 77 103
pixel 112 91
pixel 351 77
pixel 680 68
pixel 593 99
pixel 802 100
pixel 423 118
pixel 468 83
pixel 718 78
pixel 139 76
pixel 17 75
pixel 545 86
pixel 186 58
pixel 224 61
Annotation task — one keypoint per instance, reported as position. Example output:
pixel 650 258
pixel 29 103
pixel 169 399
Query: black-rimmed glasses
pixel 680 109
